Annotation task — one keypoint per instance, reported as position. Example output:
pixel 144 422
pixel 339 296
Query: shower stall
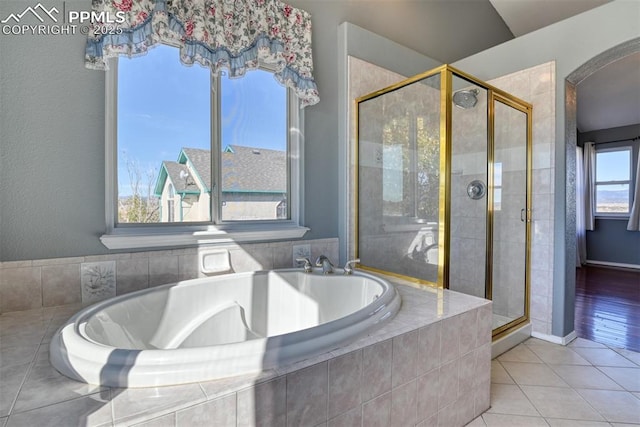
pixel 443 188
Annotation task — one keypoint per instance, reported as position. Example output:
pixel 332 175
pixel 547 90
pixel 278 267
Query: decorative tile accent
pixel 300 251
pixel 98 280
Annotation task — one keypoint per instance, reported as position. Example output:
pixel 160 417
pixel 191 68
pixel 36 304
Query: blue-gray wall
pixel 52 117
pixel 610 241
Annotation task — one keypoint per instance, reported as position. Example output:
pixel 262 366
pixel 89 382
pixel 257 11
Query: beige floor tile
pixel 555 402
pixel 520 353
pixel 533 374
pixel 555 422
pixel 478 422
pixel 581 342
pixel 499 375
pixel 585 377
pixel 509 399
pixel 604 357
pixel 615 406
pixel 629 378
pixel 631 355
pixel 558 355
pixel 501 420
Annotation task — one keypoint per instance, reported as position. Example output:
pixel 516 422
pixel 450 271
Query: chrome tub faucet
pixel 325 263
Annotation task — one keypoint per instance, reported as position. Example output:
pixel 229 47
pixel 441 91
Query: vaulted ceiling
pixel 608 98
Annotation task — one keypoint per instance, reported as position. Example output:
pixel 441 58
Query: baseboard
pixel 510 340
pixel 613 264
pixel 555 339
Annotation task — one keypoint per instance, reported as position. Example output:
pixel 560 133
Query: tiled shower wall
pixel 32 284
pixel 468 219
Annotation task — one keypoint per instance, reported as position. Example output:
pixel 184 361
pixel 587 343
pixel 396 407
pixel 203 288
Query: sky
pixel 613 165
pixel 164 105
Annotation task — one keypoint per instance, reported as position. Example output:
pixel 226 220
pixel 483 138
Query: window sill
pixel 622 217
pixel 138 238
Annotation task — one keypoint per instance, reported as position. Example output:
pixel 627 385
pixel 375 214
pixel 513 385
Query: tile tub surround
pixel 430 364
pixel 30 284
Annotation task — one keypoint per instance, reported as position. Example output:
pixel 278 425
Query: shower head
pixel 466 98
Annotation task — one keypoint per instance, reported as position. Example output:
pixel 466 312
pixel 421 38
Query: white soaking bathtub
pixel 217 327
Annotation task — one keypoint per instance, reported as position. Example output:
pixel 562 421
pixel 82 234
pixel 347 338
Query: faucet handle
pixel 348 267
pixel 308 267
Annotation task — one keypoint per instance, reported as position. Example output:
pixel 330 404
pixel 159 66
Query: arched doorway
pixel 571 107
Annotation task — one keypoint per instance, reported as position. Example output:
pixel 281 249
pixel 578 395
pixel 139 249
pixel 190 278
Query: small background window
pixel 613 179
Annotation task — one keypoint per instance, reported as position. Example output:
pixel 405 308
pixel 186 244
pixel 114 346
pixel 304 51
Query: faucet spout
pixel 325 263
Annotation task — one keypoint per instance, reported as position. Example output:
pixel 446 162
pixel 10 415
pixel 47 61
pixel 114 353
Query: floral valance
pixel 231 34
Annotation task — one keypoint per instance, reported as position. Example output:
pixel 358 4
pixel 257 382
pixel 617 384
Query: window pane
pixel 254 165
pixel 612 198
pixel 164 139
pixel 613 165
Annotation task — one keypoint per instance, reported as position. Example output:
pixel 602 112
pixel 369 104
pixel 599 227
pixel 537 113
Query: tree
pixel 141 206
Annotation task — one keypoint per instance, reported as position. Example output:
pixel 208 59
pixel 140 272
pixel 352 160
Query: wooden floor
pixel 608 306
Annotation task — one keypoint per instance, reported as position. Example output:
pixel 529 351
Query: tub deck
pixel 437 336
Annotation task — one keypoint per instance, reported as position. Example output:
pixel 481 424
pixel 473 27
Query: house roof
pixel 244 170
pixel 182 183
pixel 200 159
pixel 249 169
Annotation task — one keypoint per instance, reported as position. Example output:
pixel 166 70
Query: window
pixel 171 207
pixel 613 179
pixel 190 152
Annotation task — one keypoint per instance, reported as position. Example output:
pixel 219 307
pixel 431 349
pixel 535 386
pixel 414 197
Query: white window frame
pixel 620 215
pixel 131 236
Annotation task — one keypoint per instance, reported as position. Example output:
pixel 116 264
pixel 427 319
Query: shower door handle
pixel 523 215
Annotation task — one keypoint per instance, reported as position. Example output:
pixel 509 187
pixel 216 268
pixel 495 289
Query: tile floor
pixel 585 384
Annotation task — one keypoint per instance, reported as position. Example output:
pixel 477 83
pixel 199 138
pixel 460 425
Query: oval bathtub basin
pixel 210 328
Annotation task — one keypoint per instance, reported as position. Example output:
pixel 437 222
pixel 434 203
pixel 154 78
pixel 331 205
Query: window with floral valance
pixel 235 35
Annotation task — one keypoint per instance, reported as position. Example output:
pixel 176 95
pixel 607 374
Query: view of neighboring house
pixel 254 185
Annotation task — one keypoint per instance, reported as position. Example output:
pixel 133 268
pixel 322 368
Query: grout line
pixel 31 365
pixel 548 365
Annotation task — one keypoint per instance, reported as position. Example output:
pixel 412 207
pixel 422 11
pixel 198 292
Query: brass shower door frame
pixel 494 94
pixel 527 109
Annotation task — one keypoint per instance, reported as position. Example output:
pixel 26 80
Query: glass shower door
pixel 510 211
